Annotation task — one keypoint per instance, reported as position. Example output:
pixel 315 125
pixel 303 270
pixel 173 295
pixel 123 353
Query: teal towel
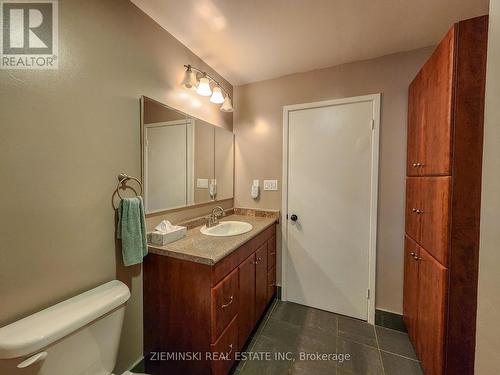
pixel 132 230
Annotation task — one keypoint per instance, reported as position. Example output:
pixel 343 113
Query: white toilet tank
pixel 79 336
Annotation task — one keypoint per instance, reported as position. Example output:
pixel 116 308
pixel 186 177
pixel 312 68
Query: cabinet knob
pixel 412 254
pixel 415 165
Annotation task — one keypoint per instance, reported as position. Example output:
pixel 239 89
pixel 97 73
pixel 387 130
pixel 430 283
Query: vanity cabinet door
pixel 410 286
pixel 413 207
pixel 261 285
pixel 431 313
pixel 246 310
pixel 435 216
pixel 271 252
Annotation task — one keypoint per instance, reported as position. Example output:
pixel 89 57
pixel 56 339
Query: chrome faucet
pixel 213 218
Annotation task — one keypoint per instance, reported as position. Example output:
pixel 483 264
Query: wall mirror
pixel 185 161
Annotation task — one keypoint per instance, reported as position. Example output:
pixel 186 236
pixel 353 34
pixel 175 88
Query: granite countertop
pixel 200 248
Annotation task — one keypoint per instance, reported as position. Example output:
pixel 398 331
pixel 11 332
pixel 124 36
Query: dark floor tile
pixel 396 365
pixel 305 317
pixel 356 330
pixel 283 335
pixel 313 368
pixel 364 360
pixel 290 312
pixel 395 342
pixel 266 365
pixel 316 342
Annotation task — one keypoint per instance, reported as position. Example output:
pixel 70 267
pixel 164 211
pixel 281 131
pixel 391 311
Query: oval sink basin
pixel 227 228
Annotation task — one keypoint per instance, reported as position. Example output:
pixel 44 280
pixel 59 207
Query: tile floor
pixel 292 328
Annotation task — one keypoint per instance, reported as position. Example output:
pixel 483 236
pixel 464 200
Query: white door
pixel 331 189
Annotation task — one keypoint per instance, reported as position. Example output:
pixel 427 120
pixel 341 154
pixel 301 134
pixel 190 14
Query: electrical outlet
pixel 202 183
pixel 270 184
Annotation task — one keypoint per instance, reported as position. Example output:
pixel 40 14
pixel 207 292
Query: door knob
pixel 294 217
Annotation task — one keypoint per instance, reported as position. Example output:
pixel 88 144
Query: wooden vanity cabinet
pixel 443 187
pixel 246 318
pixel 192 307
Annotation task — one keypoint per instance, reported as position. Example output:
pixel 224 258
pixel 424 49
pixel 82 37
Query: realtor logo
pixel 29 37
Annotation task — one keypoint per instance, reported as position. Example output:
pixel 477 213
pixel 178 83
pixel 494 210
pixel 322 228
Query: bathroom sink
pixel 227 228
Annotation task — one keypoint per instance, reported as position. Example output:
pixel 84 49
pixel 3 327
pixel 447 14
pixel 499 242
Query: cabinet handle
pixel 230 350
pixel 416 210
pixel 412 254
pixel 228 304
pixel 259 260
pixel 272 284
pixel 417 165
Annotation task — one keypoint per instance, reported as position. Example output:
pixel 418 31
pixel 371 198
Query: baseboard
pixel 390 320
pixel 138 366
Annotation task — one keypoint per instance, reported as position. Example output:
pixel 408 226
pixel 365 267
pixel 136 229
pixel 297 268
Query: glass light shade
pixel 190 79
pixel 227 106
pixel 217 96
pixel 204 87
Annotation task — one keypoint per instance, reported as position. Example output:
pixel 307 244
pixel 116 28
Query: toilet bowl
pixel 79 336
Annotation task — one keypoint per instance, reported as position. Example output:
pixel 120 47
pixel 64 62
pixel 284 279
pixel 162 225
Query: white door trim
pixel 375 99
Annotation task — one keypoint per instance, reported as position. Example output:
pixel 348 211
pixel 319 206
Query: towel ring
pixel 122 180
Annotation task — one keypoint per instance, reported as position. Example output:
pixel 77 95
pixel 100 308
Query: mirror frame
pixel 188 206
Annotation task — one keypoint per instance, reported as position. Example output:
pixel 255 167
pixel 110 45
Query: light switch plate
pixel 202 183
pixel 270 184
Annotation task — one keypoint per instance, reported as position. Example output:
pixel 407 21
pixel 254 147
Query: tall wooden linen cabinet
pixel 443 192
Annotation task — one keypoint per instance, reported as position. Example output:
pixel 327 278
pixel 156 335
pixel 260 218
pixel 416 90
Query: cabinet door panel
pixel 271 252
pixel 224 303
pixel 261 289
pixel 416 102
pixel 413 207
pixel 271 284
pixel 410 287
pixel 435 218
pixel 431 313
pixel 437 74
pixel 246 310
pixel 224 349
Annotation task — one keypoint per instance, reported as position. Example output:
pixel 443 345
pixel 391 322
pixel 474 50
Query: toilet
pixel 79 336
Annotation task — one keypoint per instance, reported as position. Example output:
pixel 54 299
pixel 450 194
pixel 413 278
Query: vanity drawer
pixel 271 283
pixel 224 303
pixel 271 252
pixel 224 348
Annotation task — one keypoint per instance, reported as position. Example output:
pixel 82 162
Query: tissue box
pixel 157 238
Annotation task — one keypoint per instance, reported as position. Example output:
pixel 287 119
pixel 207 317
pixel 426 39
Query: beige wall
pixel 65 136
pixel 258 129
pixel 488 329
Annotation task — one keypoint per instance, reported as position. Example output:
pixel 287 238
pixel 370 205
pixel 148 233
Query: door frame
pixel 372 259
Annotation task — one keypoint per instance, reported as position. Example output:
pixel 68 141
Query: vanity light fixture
pixel 217 96
pixel 206 85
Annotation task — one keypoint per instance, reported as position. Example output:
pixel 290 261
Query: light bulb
pixel 217 96
pixel 190 81
pixel 204 87
pixel 227 106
